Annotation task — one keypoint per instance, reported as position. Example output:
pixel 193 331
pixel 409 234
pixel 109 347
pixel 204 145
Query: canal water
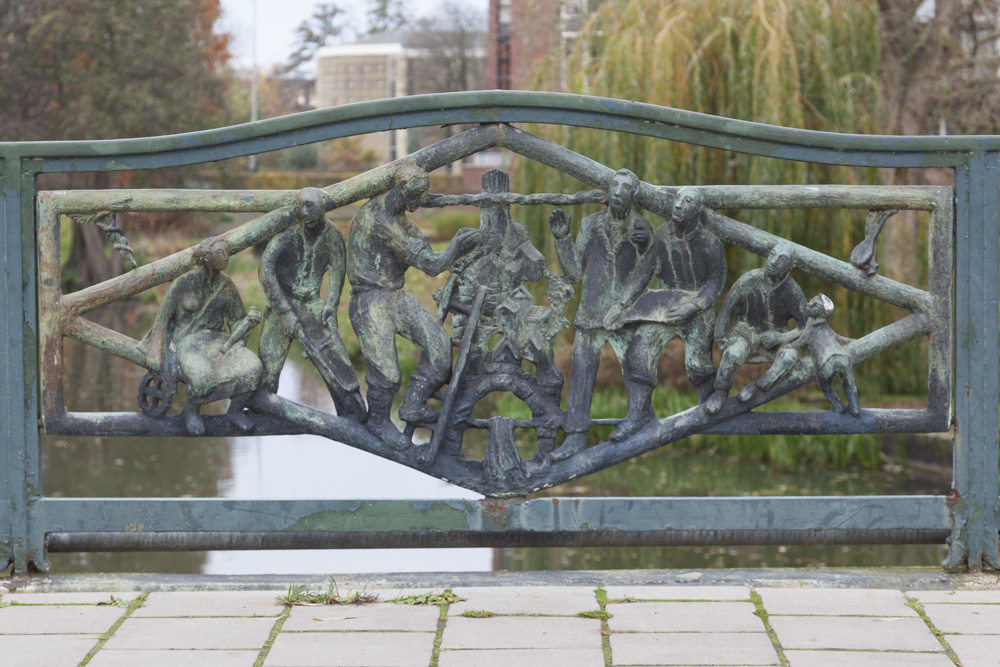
pixel 293 467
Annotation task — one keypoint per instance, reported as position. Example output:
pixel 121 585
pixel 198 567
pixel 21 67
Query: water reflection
pixel 311 467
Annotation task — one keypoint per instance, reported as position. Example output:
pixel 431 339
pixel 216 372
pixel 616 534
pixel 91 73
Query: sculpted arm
pixel 797 305
pixel 269 278
pixel 161 327
pixel 235 310
pixel 433 263
pixel 715 257
pixel 336 269
pixel 568 252
pixel 728 306
pixel 638 279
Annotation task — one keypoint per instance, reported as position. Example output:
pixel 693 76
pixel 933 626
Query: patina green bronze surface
pixel 641 285
pixel 639 289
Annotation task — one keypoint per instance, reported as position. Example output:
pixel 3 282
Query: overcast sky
pixel 277 20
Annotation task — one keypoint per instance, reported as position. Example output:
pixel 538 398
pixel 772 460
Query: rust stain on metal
pixel 954 496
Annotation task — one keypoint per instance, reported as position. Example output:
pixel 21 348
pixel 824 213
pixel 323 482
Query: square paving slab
pixel 955 597
pixel 521 657
pixel 554 600
pixel 684 648
pixel 358 649
pixel 683 617
pixel 58 620
pixel 678 592
pixel 832 632
pixel 376 616
pixel 866 659
pixel 45 650
pixel 965 619
pixel 522 632
pixel 169 658
pixel 210 603
pixel 976 650
pixel 191 633
pixel 835 602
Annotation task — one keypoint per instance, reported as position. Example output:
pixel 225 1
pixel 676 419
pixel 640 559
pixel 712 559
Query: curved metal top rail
pixel 506 107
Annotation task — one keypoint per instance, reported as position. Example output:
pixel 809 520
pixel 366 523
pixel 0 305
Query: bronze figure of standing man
pixel 606 250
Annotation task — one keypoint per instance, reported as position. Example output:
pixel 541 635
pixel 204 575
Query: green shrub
pixel 445 223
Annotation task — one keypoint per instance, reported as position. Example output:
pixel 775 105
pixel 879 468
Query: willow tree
pixel 809 64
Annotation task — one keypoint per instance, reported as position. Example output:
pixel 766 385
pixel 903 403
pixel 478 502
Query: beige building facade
pixel 350 73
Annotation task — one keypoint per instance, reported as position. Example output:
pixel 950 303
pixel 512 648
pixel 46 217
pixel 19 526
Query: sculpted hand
pixel 465 239
pixel 769 339
pixel 681 313
pixel 290 321
pixel 254 315
pixel 559 223
pixel 640 235
pixel 611 318
pixel 328 312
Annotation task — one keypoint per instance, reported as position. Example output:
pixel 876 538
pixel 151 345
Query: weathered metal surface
pixel 540 515
pixel 524 328
pixel 408 539
pixel 507 107
pixel 977 334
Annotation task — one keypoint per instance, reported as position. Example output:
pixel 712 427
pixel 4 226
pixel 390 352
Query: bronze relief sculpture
pixel 642 281
pixel 200 336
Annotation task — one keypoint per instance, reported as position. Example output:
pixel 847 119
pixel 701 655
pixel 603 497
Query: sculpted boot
pixel 414 408
pixel 379 421
pixel 573 444
pixel 638 413
pixel 351 406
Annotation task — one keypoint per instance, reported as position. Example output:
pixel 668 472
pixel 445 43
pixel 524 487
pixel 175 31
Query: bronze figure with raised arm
pixel 607 249
pixel 382 243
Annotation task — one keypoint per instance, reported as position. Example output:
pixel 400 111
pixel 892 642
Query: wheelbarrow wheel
pixel 156 392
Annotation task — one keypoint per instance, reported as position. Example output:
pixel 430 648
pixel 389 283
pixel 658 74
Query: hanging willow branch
pixel 105 221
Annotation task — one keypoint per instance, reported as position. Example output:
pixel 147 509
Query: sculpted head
pixel 820 306
pixel 309 207
pixel 622 191
pixel 779 262
pixel 413 183
pixel 213 253
pixel 687 205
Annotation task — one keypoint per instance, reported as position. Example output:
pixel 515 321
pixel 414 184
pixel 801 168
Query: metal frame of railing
pixel 32 524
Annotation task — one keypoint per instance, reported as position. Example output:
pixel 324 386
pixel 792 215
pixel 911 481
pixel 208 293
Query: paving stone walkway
pixel 494 626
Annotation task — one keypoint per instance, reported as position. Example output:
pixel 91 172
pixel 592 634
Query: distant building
pixel 372 69
pixel 523 32
pixel 389 65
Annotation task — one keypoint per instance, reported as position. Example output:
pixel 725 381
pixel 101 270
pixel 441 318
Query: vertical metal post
pixel 7 447
pixel 32 463
pixel 977 371
pixel 12 380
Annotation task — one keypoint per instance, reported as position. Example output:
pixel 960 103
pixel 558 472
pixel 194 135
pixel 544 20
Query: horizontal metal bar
pixel 825 422
pixel 506 107
pixel 223 541
pixel 539 515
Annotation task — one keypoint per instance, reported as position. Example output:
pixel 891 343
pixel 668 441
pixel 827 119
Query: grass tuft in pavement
pixel 299 595
pixel 132 606
pixel 772 635
pixel 919 608
pixel 444 598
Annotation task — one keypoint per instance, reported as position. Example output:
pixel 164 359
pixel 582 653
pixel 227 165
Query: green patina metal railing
pixel 959 313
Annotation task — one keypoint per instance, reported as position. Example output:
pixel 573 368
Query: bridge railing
pixel 639 287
